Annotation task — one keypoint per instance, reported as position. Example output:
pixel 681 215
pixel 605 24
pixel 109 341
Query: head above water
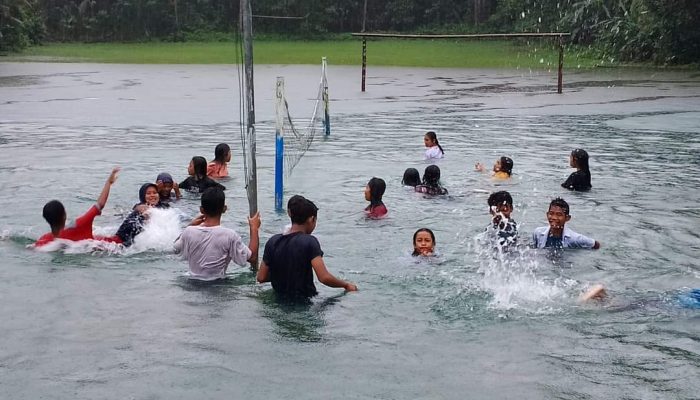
pixel 561 203
pixel 303 212
pixel 222 153
pixel 55 214
pixel 198 167
pixel 505 164
pixel 411 177
pixel 375 190
pixel 213 202
pixel 579 159
pixel 558 214
pixel 430 139
pixel 148 194
pixel 431 176
pixel 501 202
pixel 423 242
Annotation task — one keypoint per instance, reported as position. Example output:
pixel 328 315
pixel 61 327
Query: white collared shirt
pixel 434 153
pixel 570 239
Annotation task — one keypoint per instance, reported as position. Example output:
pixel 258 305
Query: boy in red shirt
pixel 55 214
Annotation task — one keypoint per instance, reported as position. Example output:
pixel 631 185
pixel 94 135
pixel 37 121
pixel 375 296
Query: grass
pixel 409 53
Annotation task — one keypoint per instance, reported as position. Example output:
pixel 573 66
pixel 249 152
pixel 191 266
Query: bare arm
pixel 254 223
pixel 263 274
pixel 176 188
pixel 102 200
pixel 327 278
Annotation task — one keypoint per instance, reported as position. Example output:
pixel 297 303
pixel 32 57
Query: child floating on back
pixel 198 181
pixel 209 247
pixel 423 243
pixel 291 259
pixel 502 168
pixel 55 214
pixel 581 179
pixel 411 177
pixel 431 182
pixel 373 193
pixel 505 228
pixel 218 168
pixel 557 235
pixel 434 151
pixel 133 223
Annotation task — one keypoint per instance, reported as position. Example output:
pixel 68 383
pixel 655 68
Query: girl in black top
pixel 431 182
pixel 133 223
pixel 581 179
pixel 198 180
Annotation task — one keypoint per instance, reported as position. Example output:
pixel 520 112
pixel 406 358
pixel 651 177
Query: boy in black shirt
pixel 289 258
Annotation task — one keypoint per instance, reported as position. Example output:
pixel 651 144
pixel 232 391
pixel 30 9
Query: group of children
pixel 291 258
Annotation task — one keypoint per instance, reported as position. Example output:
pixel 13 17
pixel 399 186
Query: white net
pixel 296 141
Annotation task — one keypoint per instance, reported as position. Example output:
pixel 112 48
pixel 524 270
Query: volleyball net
pixel 292 142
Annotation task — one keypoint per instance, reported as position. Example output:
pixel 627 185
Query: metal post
pixel 364 62
pixel 279 144
pixel 561 65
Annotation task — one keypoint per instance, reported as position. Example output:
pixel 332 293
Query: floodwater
pixel 114 324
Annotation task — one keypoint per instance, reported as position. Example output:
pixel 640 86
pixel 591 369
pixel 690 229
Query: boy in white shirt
pixel 209 247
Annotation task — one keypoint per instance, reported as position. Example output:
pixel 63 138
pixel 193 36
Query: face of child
pixel 497 166
pixel 557 217
pixel 164 189
pixel 572 161
pixel 368 195
pixel 190 168
pixel 424 243
pixel 152 196
pixel 228 156
pixel 502 210
pixel 428 141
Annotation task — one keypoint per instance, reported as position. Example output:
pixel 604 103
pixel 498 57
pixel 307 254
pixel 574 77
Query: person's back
pixel 289 258
pixel 208 247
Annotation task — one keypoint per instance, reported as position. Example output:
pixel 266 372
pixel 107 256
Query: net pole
pixel 279 144
pixel 560 73
pixel 326 101
pixel 247 23
pixel 364 46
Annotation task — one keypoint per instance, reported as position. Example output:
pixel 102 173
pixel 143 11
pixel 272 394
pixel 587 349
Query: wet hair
pixel 199 165
pixel 415 236
pixel 433 136
pixel 301 209
pixel 498 198
pixel 411 177
pixel 377 186
pixel 54 213
pixel 580 157
pixel 561 203
pixel 507 165
pixel 213 201
pixel 144 188
pixel 220 153
pixel 431 176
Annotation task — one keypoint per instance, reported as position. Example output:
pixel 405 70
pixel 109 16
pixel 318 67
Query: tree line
pixel 661 31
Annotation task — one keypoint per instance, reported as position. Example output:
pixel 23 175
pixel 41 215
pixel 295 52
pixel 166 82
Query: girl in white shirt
pixel 434 151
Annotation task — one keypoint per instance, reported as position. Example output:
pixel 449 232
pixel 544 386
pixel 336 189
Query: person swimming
pixel 411 177
pixel 373 193
pixel 423 243
pixel 431 182
pixel 218 168
pixel 581 179
pixel 502 168
pixel 434 151
pixel 198 181
pixel 133 224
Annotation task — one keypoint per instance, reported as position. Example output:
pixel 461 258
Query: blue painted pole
pixel 279 170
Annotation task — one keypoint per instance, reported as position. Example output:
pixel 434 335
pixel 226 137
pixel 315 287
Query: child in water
pixel 502 168
pixel 209 247
pixel 431 182
pixel 55 214
pixel 198 181
pixel 435 151
pixel 581 179
pixel 506 229
pixel 411 177
pixel 291 259
pixel 133 224
pixel 219 167
pixel 557 235
pixel 423 243
pixel 167 187
pixel 373 193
